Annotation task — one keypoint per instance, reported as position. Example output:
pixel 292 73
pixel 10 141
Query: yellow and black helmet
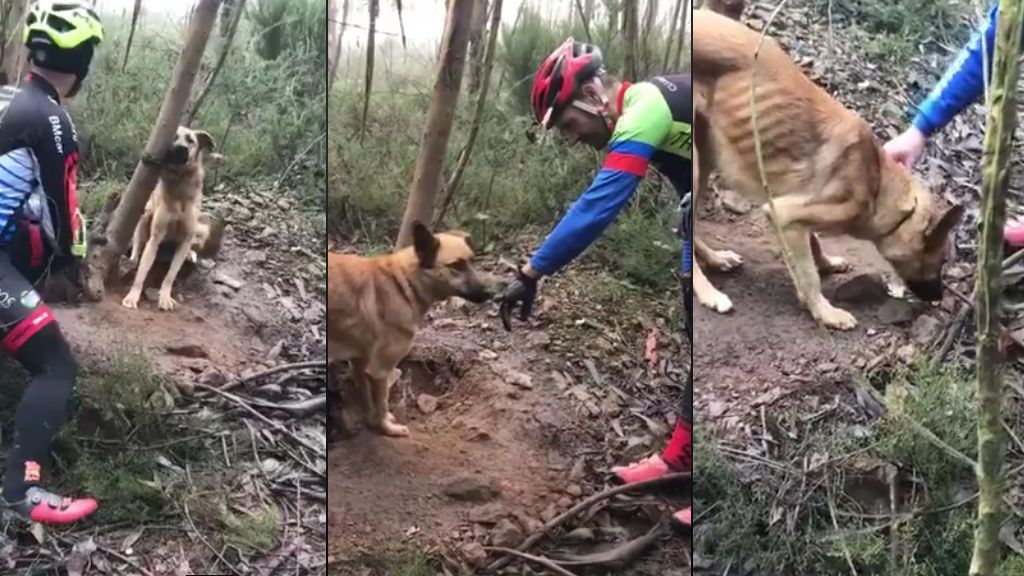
pixel 60 34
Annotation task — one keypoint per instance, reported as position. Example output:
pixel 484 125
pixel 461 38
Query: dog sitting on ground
pixel 374 308
pixel 826 171
pixel 174 214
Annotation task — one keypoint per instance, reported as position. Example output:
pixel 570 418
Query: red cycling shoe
pixel 683 518
pixel 48 508
pixel 1013 234
pixel 642 471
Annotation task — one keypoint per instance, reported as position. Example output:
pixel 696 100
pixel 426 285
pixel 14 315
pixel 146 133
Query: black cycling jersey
pixel 38 172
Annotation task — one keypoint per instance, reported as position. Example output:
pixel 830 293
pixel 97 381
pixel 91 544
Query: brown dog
pixel 825 170
pixel 374 307
pixel 173 213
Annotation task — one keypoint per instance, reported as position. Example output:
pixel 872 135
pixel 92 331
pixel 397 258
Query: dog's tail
pixel 722 45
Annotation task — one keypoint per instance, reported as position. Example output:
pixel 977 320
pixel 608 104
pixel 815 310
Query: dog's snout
pixel 477 293
pixel 178 154
pixel 929 291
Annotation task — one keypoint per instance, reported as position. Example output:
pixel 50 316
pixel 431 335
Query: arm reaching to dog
pixel 644 124
pixel 961 85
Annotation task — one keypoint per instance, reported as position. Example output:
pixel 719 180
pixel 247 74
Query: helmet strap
pixel 599 111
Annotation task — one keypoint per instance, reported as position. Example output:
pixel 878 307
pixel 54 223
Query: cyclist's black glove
pixel 522 290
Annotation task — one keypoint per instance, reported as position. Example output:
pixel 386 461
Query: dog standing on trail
pixel 374 308
pixel 826 171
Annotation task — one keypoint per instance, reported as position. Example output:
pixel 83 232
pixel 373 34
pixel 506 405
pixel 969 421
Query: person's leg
pixel 29 334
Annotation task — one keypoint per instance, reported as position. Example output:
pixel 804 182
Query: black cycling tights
pixel 40 414
pixel 29 334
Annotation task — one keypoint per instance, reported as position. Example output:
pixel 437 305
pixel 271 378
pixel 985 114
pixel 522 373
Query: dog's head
pixel 919 246
pixel 188 147
pixel 445 265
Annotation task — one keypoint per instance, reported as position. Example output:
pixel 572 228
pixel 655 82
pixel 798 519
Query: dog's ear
pixel 205 140
pixel 426 245
pixel 939 231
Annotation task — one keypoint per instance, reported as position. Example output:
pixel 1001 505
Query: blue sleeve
pixel 588 217
pixel 962 83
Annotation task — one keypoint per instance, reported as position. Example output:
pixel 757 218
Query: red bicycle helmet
pixel 559 77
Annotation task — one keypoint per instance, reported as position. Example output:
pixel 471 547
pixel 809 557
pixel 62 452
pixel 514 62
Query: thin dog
pixel 374 308
pixel 174 213
pixel 825 170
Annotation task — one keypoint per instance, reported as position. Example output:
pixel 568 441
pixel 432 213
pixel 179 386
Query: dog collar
pixel 901 220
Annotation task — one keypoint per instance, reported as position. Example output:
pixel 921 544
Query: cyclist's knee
pixel 38 344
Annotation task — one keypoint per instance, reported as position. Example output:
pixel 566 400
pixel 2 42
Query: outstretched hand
pixel 521 291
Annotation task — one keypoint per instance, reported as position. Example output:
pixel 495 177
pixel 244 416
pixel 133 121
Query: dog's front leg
pixel 806 279
pixel 706 293
pixel 380 382
pixel 183 249
pixel 156 236
pixel 353 397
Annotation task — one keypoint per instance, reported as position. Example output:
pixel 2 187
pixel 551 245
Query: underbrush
pixel 877 495
pixel 129 444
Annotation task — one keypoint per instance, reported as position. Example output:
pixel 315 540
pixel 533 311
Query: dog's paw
pixel 131 300
pixel 166 302
pixel 391 427
pixel 716 301
pixel 834 265
pixel 835 318
pixel 725 261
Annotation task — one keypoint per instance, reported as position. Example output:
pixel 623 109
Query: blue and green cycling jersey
pixel 963 82
pixel 653 128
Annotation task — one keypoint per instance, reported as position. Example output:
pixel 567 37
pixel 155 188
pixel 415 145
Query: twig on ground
pixel 842 541
pixel 273 424
pixel 540 560
pixel 618 557
pixel 555 522
pixel 270 371
pixel 110 552
pixel 206 542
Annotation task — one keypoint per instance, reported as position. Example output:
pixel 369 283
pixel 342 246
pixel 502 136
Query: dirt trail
pixel 769 351
pixel 508 411
pixel 496 420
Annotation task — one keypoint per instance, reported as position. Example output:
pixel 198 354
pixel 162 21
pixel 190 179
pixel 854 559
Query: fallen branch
pixel 618 557
pixel 540 560
pixel 272 423
pixel 558 521
pixel 110 552
pixel 271 371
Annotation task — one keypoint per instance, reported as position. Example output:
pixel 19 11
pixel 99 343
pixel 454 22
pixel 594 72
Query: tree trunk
pixel 225 49
pixel 332 39
pixel 374 6
pixel 629 28
pixel 13 50
pixel 476 44
pixel 681 38
pixel 646 50
pixel 401 21
pixel 671 35
pixel 998 150
pixel 440 117
pixel 333 75
pixel 104 254
pixel 227 13
pixel 131 34
pixel 585 20
pixel 478 113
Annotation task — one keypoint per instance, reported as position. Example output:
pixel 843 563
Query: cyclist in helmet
pixel 640 124
pixel 41 231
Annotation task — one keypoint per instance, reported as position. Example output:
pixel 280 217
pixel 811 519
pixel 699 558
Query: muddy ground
pixel 525 425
